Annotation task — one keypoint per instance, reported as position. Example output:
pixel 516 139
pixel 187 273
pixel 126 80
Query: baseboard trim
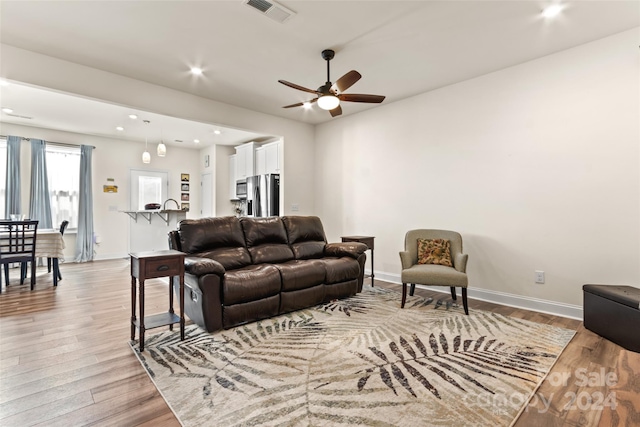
pixel 528 303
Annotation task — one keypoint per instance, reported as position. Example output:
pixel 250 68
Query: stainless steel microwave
pixel 241 189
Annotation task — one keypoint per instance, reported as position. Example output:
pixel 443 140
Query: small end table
pixel 367 240
pixel 149 265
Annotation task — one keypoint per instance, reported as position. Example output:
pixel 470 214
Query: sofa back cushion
pixel 306 236
pixel 219 238
pixel 266 240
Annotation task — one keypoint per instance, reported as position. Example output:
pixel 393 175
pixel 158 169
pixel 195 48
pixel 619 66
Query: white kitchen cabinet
pixel 245 160
pixel 272 157
pixel 232 177
pixel 261 165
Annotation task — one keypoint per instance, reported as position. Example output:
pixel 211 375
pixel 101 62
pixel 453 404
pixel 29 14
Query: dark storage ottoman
pixel 613 312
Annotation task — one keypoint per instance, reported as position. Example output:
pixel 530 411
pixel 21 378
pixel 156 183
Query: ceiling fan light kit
pixel 328 102
pixel 329 95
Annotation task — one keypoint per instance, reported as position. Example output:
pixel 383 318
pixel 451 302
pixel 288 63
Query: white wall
pixel 111 159
pixel 48 72
pixel 224 206
pixel 537 166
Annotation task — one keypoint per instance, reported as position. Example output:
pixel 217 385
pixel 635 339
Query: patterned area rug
pixel 360 361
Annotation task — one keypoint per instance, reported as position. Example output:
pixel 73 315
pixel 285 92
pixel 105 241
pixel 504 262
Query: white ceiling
pixel 401 48
pixel 54 110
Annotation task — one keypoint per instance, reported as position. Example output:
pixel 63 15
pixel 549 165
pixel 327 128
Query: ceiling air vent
pixel 271 9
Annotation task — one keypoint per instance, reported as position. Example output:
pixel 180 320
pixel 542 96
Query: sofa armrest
pixel 405 259
pixel 199 266
pixel 460 262
pixel 350 249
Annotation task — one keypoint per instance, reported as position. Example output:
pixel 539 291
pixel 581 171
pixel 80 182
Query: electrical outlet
pixel 295 207
pixel 539 276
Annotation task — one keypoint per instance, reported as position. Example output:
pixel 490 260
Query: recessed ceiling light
pixel 196 71
pixel 217 132
pixel 552 10
pixel 120 128
pixel 133 116
pixel 197 141
pixel 7 110
pixel 307 105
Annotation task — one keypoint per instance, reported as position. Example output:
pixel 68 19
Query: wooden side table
pixel 367 240
pixel 150 265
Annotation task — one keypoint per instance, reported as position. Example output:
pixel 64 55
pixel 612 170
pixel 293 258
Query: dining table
pixel 50 244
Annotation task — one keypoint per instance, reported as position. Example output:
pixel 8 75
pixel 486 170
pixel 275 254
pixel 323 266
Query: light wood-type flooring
pixel 65 358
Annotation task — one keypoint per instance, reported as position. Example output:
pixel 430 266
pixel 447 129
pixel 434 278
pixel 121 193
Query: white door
pixel 206 195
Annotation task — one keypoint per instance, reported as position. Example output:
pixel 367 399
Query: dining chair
pixel 18 245
pixel 63 226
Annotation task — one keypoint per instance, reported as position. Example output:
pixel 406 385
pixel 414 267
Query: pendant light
pixel 162 149
pixel 146 157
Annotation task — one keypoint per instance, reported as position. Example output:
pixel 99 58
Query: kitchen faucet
pixel 164 205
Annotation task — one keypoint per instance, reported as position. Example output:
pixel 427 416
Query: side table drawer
pixel 162 268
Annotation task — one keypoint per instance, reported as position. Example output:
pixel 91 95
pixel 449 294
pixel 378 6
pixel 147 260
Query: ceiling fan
pixel 330 94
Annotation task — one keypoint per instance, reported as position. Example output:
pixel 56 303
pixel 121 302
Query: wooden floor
pixel 65 358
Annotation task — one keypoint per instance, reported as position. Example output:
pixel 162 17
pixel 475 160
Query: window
pixel 148 187
pixel 3 175
pixel 63 170
pixel 149 190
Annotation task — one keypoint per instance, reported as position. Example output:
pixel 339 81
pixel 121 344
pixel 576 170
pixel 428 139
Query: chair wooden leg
pixel 453 293
pixel 48 265
pixel 404 294
pixel 412 290
pixel 464 301
pixel 6 275
pixel 23 272
pixel 56 272
pixel 33 274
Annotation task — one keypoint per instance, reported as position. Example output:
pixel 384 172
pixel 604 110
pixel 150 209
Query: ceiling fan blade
pixel 295 86
pixel 300 104
pixel 346 81
pixel 358 97
pixel 336 111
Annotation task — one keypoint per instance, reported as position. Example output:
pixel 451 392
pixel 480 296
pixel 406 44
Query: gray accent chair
pixel 432 274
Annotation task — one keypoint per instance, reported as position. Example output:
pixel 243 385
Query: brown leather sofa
pixel 242 270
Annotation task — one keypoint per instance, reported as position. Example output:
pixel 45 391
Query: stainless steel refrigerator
pixel 263 195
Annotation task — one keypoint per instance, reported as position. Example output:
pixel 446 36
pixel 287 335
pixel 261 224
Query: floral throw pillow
pixel 434 251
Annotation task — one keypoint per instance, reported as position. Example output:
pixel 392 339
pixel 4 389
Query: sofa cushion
pixel 218 238
pixel 340 269
pixel 301 274
pixel 306 236
pixel 266 240
pixel 438 275
pixel 230 258
pixel 250 283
